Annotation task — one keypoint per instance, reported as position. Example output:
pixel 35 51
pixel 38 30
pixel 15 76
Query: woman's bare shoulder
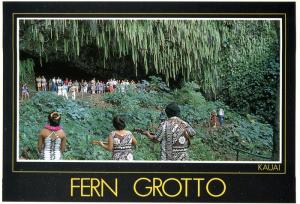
pixel 44 132
pixel 61 133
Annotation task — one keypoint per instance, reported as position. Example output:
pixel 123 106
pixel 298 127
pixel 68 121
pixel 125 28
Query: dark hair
pixel 54 119
pixel 172 110
pixel 119 123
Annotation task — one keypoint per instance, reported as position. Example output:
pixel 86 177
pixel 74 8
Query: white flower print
pixel 116 141
pixel 182 140
pixel 129 156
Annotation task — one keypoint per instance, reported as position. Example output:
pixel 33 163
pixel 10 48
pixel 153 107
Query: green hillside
pixel 89 118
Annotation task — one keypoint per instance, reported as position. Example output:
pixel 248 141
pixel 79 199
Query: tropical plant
pixel 234 61
pixel 26 70
pixel 84 122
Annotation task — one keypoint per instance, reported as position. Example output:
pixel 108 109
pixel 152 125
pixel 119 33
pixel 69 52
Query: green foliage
pixel 193 49
pixel 250 68
pixel 236 61
pixel 83 122
pixel 166 46
pixel 26 70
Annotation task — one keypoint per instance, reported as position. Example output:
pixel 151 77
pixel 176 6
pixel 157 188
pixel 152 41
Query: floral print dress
pixel 174 135
pixel 122 146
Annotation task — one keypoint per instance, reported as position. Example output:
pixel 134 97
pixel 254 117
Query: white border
pixel 146 161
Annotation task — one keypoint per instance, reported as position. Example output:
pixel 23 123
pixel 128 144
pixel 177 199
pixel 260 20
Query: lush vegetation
pixel 27 71
pixel 194 49
pixel 89 118
pixel 233 61
pixel 251 80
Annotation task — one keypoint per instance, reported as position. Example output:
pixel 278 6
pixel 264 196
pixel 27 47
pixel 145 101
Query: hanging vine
pixel 190 48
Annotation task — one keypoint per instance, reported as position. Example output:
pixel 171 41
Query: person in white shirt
pixel 221 116
pixel 65 91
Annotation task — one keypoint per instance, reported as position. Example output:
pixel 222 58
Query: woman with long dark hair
pixel 52 139
pixel 120 142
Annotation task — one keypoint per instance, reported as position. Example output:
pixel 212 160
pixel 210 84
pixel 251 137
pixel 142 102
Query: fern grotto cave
pixel 223 74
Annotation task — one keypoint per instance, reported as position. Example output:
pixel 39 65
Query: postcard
pixel 149 101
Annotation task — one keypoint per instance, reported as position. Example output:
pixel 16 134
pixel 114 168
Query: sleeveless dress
pixel 52 147
pixel 122 147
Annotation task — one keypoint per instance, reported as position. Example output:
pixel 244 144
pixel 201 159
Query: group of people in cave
pixel 66 86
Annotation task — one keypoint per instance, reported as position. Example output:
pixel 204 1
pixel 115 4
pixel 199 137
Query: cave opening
pixel 62 70
pixel 72 70
pixel 89 66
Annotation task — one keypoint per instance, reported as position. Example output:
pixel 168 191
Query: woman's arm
pixel 152 137
pixel 109 145
pixel 63 144
pixel 134 141
pixel 40 143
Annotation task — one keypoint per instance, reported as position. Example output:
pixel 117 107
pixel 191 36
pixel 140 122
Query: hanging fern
pixel 26 69
pixel 191 48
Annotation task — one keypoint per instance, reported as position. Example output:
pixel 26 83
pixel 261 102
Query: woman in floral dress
pixel 52 139
pixel 120 141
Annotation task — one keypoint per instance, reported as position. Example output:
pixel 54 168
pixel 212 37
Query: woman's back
pixel 52 144
pixel 120 141
pixel 122 146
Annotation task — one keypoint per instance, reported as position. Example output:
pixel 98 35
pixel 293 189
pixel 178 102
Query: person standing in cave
pixel 59 86
pixel 221 116
pixel 81 87
pixel 89 85
pixel 50 84
pixel 214 119
pixel 93 86
pixel 127 84
pixel 85 86
pixel 59 89
pixel 70 83
pixel 39 83
pixel 73 92
pixel 76 84
pixel 102 87
pixel 98 87
pixel 25 92
pixel 142 86
pixel 116 82
pixel 138 86
pixel 122 87
pixel 54 86
pixel 132 86
pixel 59 81
pixel 65 91
pixel 111 87
pixel 44 83
pixel 173 134
pixel 66 81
